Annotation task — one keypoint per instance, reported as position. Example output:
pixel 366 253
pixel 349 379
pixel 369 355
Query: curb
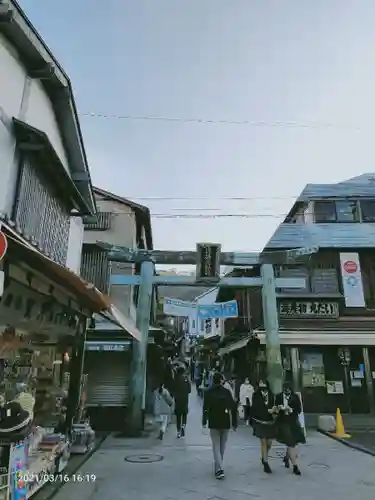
pixel 348 443
pixel 49 493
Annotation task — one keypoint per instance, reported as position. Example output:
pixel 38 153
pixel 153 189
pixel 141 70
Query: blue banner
pixel 218 310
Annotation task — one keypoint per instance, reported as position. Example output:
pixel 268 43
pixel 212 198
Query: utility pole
pixel 211 258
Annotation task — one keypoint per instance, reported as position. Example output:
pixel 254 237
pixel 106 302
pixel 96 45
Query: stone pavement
pixel 329 470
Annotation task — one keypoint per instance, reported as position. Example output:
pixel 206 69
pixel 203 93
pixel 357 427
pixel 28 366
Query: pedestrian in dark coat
pixel 181 391
pixel 220 412
pixel 264 412
pixel 289 429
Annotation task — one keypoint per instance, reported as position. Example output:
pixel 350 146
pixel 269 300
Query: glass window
pixel 325 211
pixel 368 210
pixel 347 211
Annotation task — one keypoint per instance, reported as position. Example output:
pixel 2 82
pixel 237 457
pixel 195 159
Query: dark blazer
pixel 295 404
pixel 260 409
pixel 181 391
pixel 219 408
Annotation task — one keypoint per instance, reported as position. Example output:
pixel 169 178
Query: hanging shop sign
pixel 175 307
pixel 3 245
pixel 107 346
pixel 309 309
pixel 352 279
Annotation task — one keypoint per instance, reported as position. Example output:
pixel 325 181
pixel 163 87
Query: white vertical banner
pixel 352 279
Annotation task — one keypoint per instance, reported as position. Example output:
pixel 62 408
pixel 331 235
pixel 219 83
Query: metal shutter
pixel 107 378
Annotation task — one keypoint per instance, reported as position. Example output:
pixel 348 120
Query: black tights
pixel 181 419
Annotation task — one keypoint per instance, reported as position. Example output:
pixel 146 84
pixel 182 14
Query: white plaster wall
pixel 12 82
pixel 73 259
pixel 40 114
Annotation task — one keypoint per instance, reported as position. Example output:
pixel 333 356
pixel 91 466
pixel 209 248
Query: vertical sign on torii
pixel 208 259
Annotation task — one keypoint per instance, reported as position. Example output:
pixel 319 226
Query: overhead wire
pixel 210 198
pixel 207 216
pixel 253 123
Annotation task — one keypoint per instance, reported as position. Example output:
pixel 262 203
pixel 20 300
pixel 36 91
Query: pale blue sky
pixel 258 60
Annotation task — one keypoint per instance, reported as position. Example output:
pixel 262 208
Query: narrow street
pixel 185 471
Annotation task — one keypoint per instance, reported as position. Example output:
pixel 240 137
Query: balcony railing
pixel 95 267
pixel 102 221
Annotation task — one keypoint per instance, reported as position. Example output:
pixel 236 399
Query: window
pixel 336 211
pixel 368 210
pixel 325 211
pixel 321 276
pixel 347 211
pixel 40 213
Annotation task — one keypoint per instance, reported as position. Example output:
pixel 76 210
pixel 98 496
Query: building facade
pixel 45 192
pixel 118 221
pixel 328 328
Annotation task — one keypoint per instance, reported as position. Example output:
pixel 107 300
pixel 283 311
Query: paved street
pixel 330 470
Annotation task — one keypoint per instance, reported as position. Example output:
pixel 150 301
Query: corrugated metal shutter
pixel 107 378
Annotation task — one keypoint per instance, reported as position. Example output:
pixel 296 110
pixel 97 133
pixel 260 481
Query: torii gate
pixel 208 259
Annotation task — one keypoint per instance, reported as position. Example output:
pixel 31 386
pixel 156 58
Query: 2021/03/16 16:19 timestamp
pixel 64 478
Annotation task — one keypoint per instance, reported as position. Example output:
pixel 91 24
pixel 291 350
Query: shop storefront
pixel 107 365
pixel 44 309
pixel 336 371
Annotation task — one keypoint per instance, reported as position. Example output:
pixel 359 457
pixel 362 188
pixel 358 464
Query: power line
pixel 209 198
pixel 207 216
pixel 204 121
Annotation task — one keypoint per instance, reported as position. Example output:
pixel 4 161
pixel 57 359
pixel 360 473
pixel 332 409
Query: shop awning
pixel 93 299
pixel 115 316
pixel 234 347
pixel 319 337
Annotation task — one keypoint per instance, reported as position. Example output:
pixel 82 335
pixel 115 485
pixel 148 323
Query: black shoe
pixel 219 474
pixel 183 432
pixel 266 467
pixel 296 470
pixel 286 462
pixel 161 435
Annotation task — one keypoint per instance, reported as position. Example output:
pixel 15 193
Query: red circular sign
pixel 350 266
pixel 3 245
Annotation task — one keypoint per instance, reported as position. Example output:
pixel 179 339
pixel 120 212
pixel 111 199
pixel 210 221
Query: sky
pixel 282 94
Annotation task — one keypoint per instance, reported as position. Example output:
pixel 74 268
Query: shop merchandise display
pixel 33 401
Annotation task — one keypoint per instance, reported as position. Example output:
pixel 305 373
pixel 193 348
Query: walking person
pixel 182 389
pixel 264 412
pixel 220 413
pixel 228 385
pixel 163 403
pixel 290 432
pixel 246 398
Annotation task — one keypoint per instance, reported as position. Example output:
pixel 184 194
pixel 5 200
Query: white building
pixel 45 187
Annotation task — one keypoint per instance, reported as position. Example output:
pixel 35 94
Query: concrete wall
pixel 122 232
pixel 24 98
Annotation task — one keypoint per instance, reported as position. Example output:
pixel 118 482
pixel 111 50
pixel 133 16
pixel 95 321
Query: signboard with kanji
pixel 308 309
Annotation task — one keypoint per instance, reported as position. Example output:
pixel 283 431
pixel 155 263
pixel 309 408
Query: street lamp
pixel 345 358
